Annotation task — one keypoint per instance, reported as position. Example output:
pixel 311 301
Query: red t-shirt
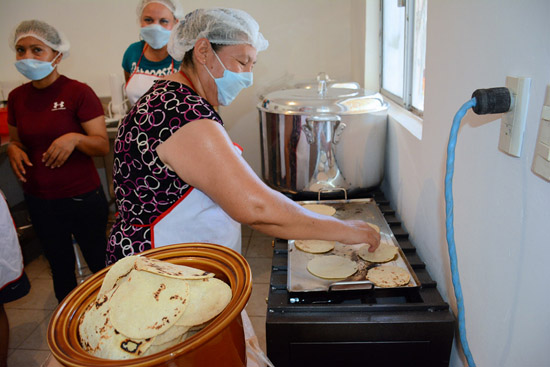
pixel 43 115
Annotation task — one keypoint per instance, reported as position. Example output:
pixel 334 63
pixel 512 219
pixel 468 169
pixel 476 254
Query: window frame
pixel 406 100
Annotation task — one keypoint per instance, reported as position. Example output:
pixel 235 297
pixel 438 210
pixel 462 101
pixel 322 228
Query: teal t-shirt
pixel 157 68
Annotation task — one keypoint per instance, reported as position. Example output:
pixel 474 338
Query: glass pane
pixel 393 47
pixel 419 53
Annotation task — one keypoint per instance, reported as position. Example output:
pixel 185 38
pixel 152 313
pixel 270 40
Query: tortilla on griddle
pixel 167 269
pixel 320 209
pixel 146 304
pixel 314 246
pixel 384 253
pixel 331 267
pixel 388 276
pixel 207 298
pixel 374 226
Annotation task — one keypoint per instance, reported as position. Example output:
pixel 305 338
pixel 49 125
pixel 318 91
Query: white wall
pixel 306 37
pixel 502 210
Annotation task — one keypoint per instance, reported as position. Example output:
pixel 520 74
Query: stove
pixel 408 326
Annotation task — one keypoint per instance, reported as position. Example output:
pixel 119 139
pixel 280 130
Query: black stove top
pixel 389 327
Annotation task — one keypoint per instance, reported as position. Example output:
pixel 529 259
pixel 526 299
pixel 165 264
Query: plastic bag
pixel 255 357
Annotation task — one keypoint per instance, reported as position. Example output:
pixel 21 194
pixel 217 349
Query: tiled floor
pixel 29 316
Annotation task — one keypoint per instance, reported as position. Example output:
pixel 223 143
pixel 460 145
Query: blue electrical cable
pixel 450 229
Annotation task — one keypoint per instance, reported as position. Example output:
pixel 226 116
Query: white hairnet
pixel 222 26
pixel 43 32
pixel 173 5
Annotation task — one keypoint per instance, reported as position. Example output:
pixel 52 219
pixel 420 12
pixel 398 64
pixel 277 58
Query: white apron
pixel 139 83
pixel 11 260
pixel 196 218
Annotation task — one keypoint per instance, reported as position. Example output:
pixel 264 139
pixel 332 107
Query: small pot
pixel 329 138
pixel 221 343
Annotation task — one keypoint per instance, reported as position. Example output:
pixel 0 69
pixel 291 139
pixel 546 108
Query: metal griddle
pixel 301 280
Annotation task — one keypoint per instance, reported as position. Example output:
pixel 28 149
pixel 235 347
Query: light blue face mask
pixel 230 84
pixel 156 36
pixel 35 69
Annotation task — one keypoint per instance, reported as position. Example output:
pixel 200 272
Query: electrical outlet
pixel 513 122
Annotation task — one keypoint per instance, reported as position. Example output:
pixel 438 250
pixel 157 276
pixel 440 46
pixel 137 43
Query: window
pixel 404 52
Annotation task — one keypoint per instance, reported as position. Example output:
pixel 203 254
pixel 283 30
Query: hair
pixel 188 57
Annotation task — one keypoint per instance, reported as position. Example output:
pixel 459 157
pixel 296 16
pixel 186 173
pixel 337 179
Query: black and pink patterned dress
pixel 146 189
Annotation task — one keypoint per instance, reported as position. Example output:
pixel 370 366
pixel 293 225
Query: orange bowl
pixel 221 343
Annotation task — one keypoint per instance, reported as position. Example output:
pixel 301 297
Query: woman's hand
pixel 362 232
pixel 94 142
pixel 60 150
pixel 18 160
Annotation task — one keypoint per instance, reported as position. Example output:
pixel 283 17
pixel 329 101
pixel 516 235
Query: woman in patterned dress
pixel 179 177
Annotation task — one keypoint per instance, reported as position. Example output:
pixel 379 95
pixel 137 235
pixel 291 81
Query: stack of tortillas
pixel 145 306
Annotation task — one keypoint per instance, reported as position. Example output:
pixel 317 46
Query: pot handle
pixel 338 130
pixel 346 286
pixel 323 118
pixel 308 131
pixel 308 127
pixel 331 190
pixel 322 79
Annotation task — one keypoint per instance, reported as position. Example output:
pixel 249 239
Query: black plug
pixel 492 100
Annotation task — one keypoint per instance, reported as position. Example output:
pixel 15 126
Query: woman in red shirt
pixel 56 126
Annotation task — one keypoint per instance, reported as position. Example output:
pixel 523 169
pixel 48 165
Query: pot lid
pixel 331 83
pixel 323 100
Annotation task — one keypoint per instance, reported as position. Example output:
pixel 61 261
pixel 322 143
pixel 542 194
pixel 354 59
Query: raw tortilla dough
pixel 388 276
pixel 320 209
pixel 376 228
pixel 384 253
pixel 314 246
pixel 331 267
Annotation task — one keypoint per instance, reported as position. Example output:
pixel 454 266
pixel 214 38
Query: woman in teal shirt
pixel 146 60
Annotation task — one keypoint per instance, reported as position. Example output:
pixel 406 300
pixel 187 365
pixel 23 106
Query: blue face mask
pixel 156 36
pixel 230 84
pixel 35 69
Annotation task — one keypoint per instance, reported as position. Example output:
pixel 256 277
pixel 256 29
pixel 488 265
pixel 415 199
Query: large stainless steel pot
pixel 322 139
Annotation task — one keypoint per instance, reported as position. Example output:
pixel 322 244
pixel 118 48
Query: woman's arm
pixel 202 154
pixel 94 142
pixel 17 155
